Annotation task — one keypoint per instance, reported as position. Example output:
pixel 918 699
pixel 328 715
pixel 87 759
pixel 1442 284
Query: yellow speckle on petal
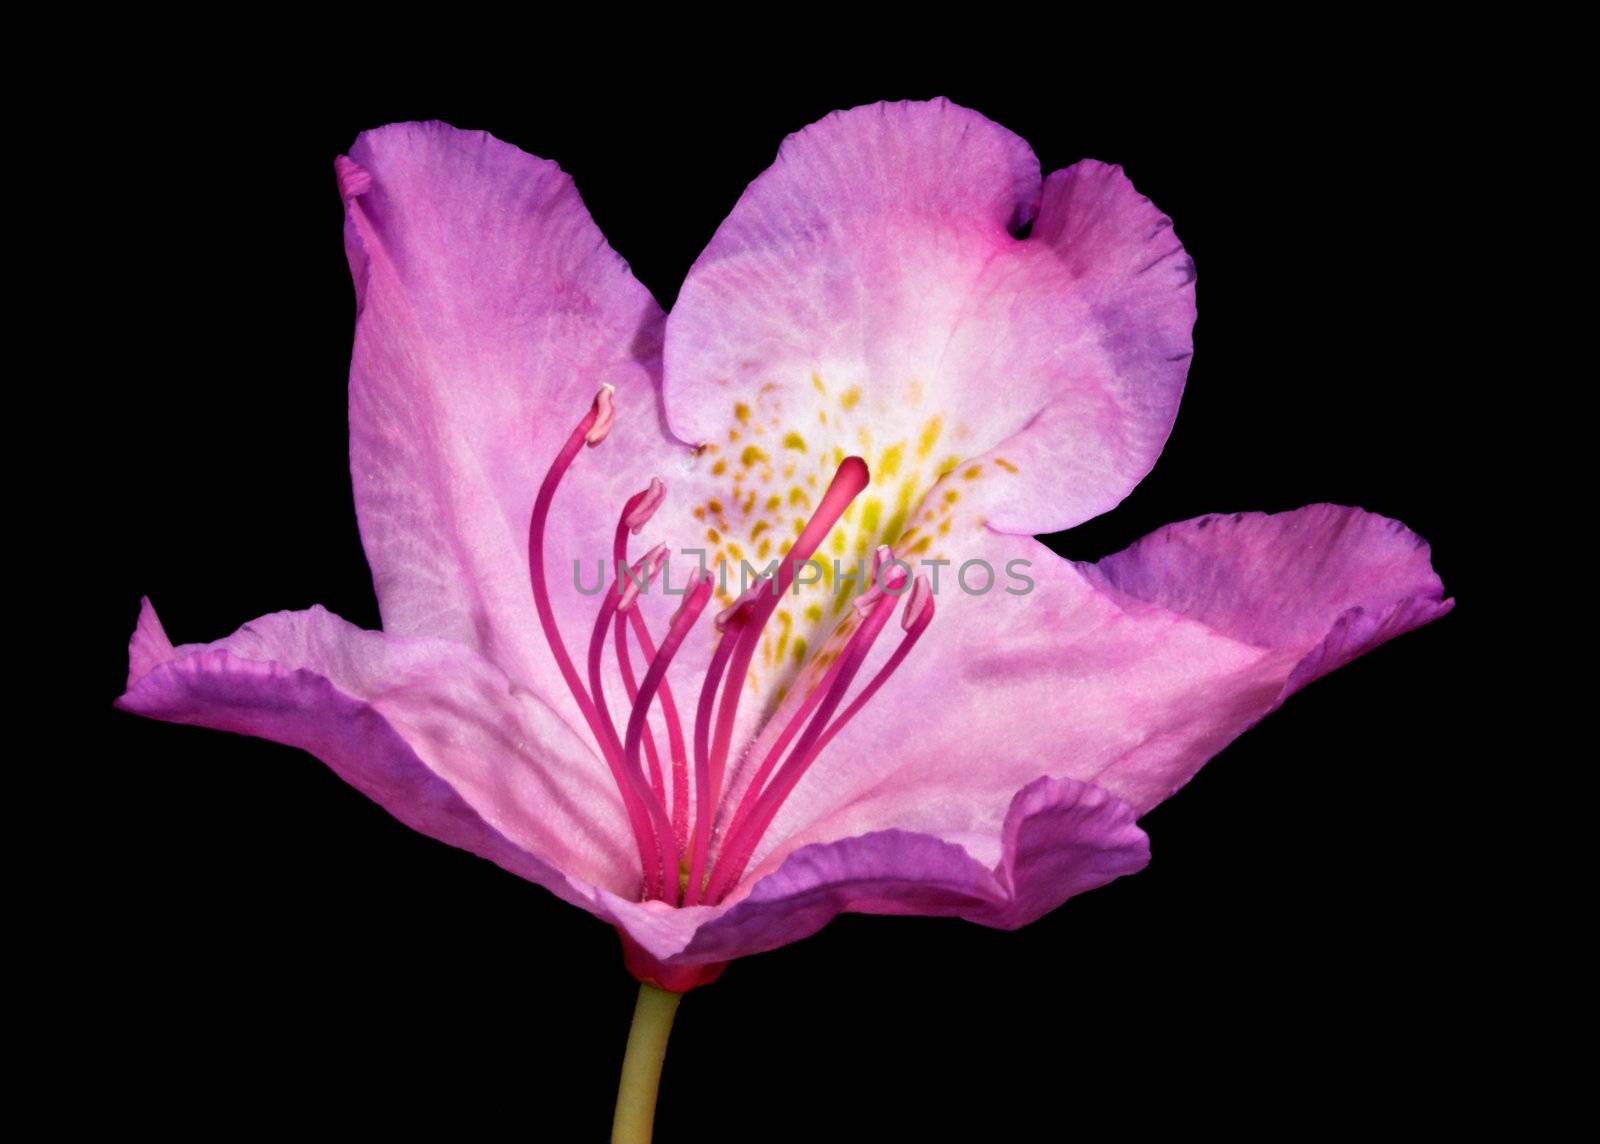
pixel 973 473
pixel 929 437
pixel 751 454
pixel 800 648
pixel 793 440
pixel 851 397
pixel 1006 465
pixel 774 503
pixel 949 465
pixel 951 497
pixel 719 468
pixel 814 613
pixel 742 412
pixel 816 380
pixel 797 495
pixel 902 510
pixel 889 463
pixel 714 536
pixel 760 527
pixel 715 506
pixel 785 621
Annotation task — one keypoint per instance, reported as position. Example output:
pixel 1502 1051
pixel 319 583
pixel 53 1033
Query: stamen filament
pixel 752 791
pixel 627 585
pixel 682 622
pixel 636 513
pixel 742 837
pixel 630 685
pixel 851 477
pixel 732 625
pixel 669 712
pixel 627 785
pixel 672 842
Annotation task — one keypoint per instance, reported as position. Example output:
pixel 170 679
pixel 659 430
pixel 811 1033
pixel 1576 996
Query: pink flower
pixel 866 363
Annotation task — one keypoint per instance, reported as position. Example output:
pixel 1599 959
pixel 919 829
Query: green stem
pixel 641 1066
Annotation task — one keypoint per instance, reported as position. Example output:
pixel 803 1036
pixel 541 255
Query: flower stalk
pixel 641 1065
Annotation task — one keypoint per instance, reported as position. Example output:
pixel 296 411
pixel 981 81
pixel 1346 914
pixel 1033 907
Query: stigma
pixel 693 838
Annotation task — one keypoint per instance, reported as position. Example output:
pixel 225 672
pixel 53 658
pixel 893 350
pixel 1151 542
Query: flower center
pixel 694 839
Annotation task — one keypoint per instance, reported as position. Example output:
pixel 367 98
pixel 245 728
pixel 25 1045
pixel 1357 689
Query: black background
pixel 284 951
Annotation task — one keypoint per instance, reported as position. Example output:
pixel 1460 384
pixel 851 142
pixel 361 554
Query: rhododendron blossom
pixel 874 385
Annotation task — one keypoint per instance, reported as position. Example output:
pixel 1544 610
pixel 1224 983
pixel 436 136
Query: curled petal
pixel 427 729
pixel 1327 580
pixel 1059 838
pixel 871 281
pixel 1129 674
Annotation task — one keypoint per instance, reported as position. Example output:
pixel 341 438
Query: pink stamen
pixel 682 621
pixel 865 602
pixel 630 686
pixel 628 785
pixel 921 597
pixel 913 622
pixel 758 807
pixel 672 843
pixel 635 515
pixel 643 506
pixel 633 584
pixel 742 604
pixel 731 623
pixel 627 580
pixel 796 721
pixel 848 481
pixel 669 711
pixel 605 413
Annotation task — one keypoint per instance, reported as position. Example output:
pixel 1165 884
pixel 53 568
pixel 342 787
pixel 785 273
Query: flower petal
pixel 1060 838
pixel 1331 580
pixel 426 728
pixel 867 294
pixel 490 312
pixel 1129 674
